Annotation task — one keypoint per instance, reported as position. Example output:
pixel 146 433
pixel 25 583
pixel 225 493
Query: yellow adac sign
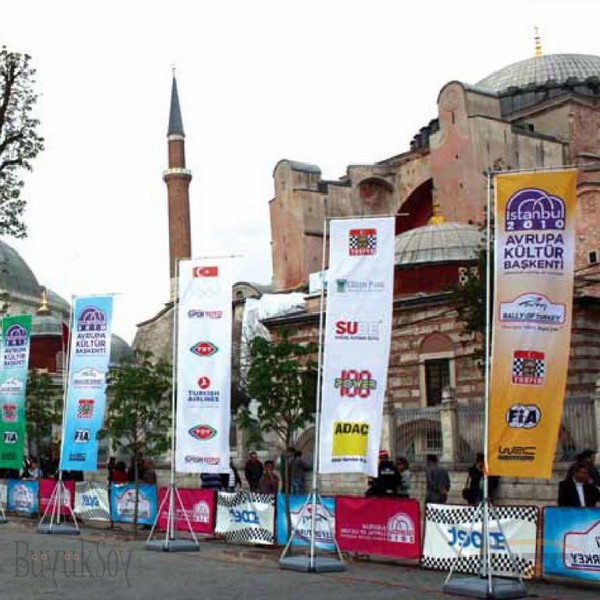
pixel 350 439
pixel 534 261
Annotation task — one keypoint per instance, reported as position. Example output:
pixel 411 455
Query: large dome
pixel 541 69
pixel 438 243
pixel 15 274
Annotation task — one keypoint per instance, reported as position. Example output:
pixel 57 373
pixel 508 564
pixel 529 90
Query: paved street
pixel 100 565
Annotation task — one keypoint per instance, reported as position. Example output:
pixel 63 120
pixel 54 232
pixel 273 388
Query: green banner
pixel 14 362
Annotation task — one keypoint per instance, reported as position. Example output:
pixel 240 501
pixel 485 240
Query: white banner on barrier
pixel 246 517
pixel 357 344
pixel 447 529
pixel 3 494
pixel 91 501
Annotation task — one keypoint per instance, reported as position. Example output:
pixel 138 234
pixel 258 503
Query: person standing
pixel 438 481
pixel 576 490
pixel 269 482
pixel 405 477
pixel 388 477
pixel 297 469
pixel 253 471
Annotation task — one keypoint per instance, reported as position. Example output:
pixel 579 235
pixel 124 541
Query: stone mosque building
pixel 541 112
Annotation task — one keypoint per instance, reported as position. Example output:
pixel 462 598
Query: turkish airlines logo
pixel 353 383
pixel 205 271
pixel 204 383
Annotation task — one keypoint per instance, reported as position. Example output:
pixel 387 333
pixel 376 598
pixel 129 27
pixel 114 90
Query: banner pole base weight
pixel 479 587
pixel 2 515
pixel 58 500
pixel 170 543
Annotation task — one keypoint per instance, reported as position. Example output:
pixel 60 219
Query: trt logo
pixel 353 383
pixel 205 271
pixel 11 437
pixel 82 436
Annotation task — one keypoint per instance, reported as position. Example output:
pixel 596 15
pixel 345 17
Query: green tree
pixel 138 416
pixel 281 378
pixel 44 409
pixel 19 139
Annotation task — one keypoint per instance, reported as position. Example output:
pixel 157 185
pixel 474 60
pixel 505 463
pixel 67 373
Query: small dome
pixel 541 69
pixel 445 242
pixel 15 274
pixel 120 351
pixel 46 325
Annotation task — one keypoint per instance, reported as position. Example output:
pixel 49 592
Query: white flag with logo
pixel 357 343
pixel 203 366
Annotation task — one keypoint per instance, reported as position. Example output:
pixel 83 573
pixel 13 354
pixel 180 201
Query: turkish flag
pixel 206 271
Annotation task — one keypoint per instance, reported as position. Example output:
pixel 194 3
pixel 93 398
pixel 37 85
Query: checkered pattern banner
pixel 246 517
pixel 451 531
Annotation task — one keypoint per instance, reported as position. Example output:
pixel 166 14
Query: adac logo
pixel 9 413
pixel 16 336
pixel 532 308
pixel 212 271
pixel 354 383
pixel 11 437
pixel 92 319
pixel 362 242
pixel 523 416
pixel 85 408
pixel 204 349
pixel 203 432
pixel 82 436
pixel 525 453
pixel 203 383
pixel 534 209
pixel 528 367
pixel 349 439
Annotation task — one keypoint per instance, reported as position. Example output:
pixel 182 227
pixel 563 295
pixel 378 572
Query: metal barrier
pixel 418 433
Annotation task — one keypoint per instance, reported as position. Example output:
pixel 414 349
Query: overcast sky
pixel 330 83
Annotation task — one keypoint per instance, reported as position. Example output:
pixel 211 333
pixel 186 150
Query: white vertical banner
pixel 203 365
pixel 357 343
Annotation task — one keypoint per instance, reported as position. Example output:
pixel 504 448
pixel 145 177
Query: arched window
pixel 436 368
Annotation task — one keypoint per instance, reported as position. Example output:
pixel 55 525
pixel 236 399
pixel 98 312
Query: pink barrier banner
pixel 199 505
pixel 47 487
pixel 384 526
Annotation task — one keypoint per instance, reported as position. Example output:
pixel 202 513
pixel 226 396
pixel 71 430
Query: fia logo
pixel 82 436
pixel 11 437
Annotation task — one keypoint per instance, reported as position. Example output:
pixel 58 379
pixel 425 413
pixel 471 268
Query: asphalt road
pixel 100 564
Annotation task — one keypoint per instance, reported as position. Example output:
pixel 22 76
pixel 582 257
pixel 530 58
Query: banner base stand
pixel 58 528
pixel 170 543
pixel 479 587
pixel 320 564
pixel 2 516
pixel 58 500
pixel 173 546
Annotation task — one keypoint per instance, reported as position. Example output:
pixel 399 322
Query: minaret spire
pixel 177 177
pixel 538 43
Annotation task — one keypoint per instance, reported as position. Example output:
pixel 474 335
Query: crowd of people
pixel 581 486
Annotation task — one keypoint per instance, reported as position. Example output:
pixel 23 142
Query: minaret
pixel 177 178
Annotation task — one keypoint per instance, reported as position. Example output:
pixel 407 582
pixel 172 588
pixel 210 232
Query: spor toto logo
pixel 532 208
pixel 203 432
pixel 523 416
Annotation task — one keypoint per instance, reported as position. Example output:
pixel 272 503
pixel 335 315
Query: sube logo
pixel 204 349
pixel 212 271
pixel 203 432
pixel 357 330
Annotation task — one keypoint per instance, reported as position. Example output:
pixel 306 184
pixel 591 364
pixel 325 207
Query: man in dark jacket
pixel 253 471
pixel 576 490
pixel 438 481
pixel 388 477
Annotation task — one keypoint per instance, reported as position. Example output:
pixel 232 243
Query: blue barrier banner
pixel 122 503
pixel 22 496
pixel 86 391
pixel 323 533
pixel 571 542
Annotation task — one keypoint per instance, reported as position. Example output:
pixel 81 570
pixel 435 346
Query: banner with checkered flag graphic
pixel 447 530
pixel 246 517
